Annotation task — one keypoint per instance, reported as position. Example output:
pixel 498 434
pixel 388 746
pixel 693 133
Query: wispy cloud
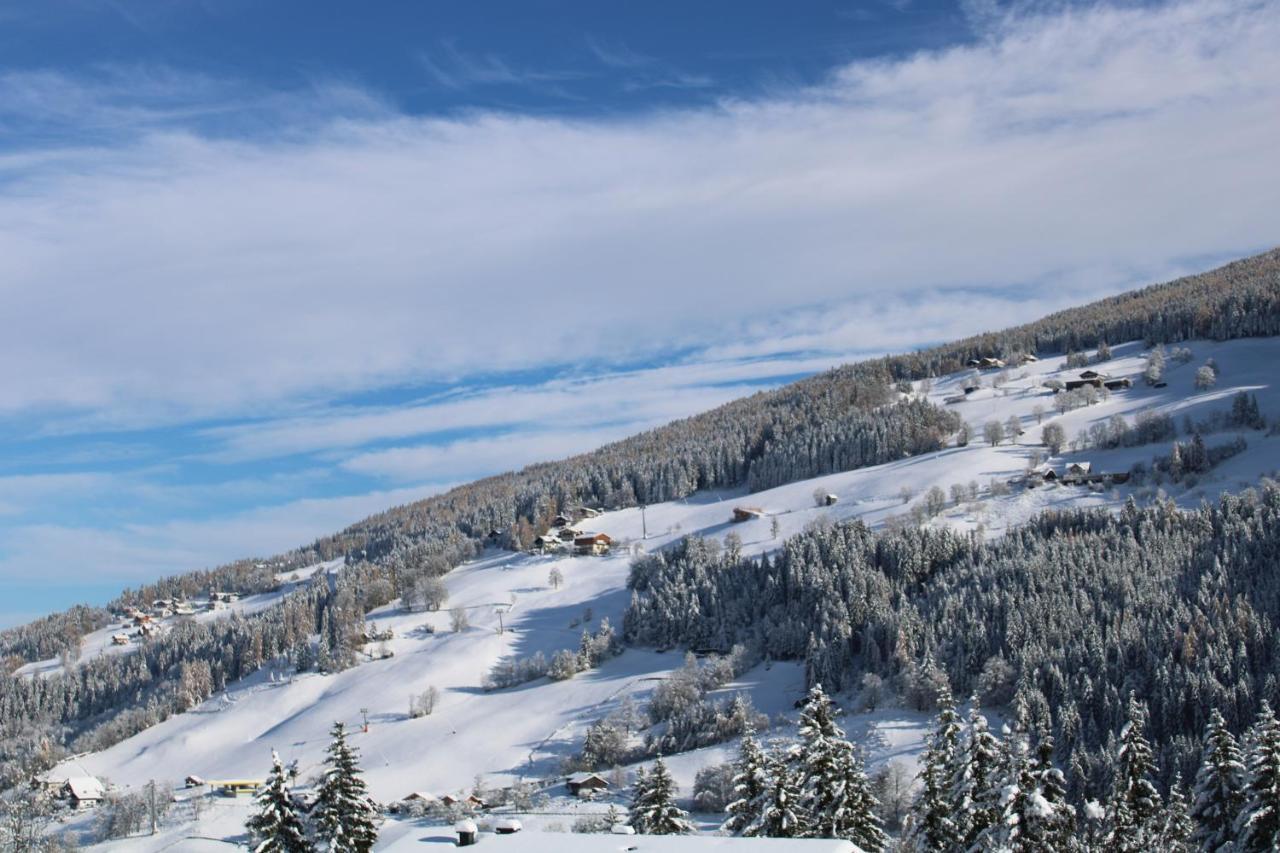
pixel 174 260
pixel 643 71
pixel 450 67
pixel 199 275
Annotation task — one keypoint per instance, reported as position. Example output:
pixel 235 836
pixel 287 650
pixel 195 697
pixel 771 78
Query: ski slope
pixel 524 733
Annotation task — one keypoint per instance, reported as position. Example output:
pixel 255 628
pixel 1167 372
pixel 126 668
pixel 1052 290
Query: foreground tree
pixel 277 827
pixel 1135 810
pixel 750 788
pixel 836 794
pixel 932 826
pixel 653 806
pixel 1219 788
pixel 344 815
pixel 1258 826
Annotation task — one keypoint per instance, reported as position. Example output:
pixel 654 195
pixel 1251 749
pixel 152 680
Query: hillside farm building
pixel 592 544
pixel 580 784
pixel 747 513
pixel 84 791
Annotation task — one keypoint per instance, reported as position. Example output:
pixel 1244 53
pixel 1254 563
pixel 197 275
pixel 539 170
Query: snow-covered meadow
pixel 523 734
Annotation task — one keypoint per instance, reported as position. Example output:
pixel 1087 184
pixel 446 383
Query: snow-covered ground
pixel 524 733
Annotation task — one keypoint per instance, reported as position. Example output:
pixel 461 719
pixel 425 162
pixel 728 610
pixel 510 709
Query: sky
pixel 267 268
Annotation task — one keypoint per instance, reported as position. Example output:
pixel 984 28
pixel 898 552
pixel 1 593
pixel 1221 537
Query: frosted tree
pixel 1258 826
pixel 1176 826
pixel 1051 819
pixel 1206 378
pixel 1219 788
pixel 653 806
pixel 1135 809
pixel 343 814
pixel 993 432
pixel 932 827
pixel 1154 371
pixel 835 791
pixel 750 788
pixel 782 815
pixel 975 786
pixel 276 826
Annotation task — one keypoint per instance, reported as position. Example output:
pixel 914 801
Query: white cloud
pixel 199 275
pixel 141 552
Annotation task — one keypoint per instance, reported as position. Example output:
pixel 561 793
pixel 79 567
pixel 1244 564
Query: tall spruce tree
pixel 1177 826
pixel 750 788
pixel 835 791
pixel 782 815
pixel 1051 823
pixel 1258 826
pixel 932 827
pixel 975 787
pixel 653 806
pixel 276 826
pixel 1135 811
pixel 1219 788
pixel 344 815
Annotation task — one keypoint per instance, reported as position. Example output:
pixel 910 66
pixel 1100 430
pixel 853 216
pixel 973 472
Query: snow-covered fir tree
pixel 975 787
pixel 1051 819
pixel 276 826
pixel 344 816
pixel 783 815
pixel 1219 788
pixel 836 794
pixel 750 788
pixel 1258 826
pixel 1135 812
pixel 1176 825
pixel 653 804
pixel 932 827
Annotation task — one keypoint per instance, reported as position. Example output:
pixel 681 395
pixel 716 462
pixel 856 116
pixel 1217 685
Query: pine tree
pixel 1051 822
pixel 836 794
pixel 277 827
pixel 653 807
pixel 344 815
pixel 1017 801
pixel 1258 827
pixel 1219 788
pixel 1135 810
pixel 975 788
pixel 782 815
pixel 1177 827
pixel 932 827
pixel 750 788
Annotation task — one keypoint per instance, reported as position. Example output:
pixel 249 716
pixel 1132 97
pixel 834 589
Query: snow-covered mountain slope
pixel 523 733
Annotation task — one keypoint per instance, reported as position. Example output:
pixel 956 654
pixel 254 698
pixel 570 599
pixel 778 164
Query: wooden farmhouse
pixel 747 513
pixel 580 784
pixel 592 544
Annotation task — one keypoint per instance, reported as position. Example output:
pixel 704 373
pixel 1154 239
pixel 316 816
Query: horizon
pixel 271 272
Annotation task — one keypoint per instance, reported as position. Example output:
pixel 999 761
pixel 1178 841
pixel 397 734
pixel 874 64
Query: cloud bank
pixel 155 271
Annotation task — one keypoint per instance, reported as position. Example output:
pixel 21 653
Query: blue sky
pixel 268 268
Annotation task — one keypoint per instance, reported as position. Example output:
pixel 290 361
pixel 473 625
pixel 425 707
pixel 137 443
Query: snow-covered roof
pixel 564 842
pixel 579 778
pixel 85 788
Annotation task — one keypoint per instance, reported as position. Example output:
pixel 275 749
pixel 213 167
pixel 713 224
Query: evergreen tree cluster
pixel 816 788
pixel 1064 615
pixel 342 820
pixel 980 793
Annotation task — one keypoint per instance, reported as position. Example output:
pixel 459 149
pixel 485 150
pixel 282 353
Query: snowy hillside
pixel 514 608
